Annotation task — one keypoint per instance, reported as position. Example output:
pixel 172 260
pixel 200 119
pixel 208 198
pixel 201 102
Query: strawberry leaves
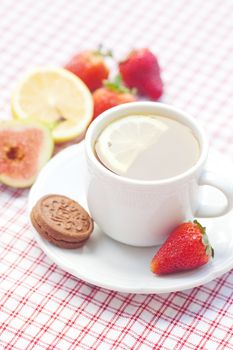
pixel 205 240
pixel 118 86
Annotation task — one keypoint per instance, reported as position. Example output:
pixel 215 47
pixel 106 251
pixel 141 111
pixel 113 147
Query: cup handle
pixel 225 185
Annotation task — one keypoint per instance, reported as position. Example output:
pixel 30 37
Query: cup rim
pixel 132 108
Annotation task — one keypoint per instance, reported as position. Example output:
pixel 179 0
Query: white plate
pixel 109 264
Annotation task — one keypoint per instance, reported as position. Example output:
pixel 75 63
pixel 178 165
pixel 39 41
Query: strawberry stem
pixel 103 52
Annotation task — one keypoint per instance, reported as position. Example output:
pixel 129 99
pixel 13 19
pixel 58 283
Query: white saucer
pixel 109 264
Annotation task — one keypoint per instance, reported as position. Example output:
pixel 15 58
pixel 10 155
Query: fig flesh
pixel 24 148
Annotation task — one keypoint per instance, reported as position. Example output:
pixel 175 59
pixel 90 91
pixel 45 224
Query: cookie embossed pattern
pixel 66 214
pixel 61 221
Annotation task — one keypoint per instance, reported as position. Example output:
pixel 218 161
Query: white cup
pixel 143 213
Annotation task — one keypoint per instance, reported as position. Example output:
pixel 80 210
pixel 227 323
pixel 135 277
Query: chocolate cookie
pixel 61 221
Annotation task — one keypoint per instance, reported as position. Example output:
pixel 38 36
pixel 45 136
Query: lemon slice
pixel 122 141
pixel 56 97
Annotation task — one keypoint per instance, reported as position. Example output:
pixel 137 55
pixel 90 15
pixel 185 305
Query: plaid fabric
pixel 43 307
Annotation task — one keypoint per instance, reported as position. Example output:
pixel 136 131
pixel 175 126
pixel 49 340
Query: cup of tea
pixel 145 167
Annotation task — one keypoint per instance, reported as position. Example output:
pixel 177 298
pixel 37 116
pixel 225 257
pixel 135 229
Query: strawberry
pixel 112 94
pixel 90 67
pixel 141 71
pixel 186 248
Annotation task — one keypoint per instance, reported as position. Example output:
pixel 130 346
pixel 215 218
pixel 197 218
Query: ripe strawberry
pixel 112 94
pixel 141 71
pixel 186 248
pixel 90 67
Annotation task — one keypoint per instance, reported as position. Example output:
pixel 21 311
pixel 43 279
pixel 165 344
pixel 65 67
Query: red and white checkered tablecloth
pixel 43 307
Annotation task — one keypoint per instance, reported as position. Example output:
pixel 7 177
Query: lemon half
pixel 56 97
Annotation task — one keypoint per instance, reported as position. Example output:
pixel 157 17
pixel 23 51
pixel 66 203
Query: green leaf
pixel 202 228
pixel 212 252
pixel 117 85
pixel 208 251
pixel 205 239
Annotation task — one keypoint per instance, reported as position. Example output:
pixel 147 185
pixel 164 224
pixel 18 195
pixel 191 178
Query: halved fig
pixel 24 148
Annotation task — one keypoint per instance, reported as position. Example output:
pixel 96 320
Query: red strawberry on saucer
pixel 141 71
pixel 186 248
